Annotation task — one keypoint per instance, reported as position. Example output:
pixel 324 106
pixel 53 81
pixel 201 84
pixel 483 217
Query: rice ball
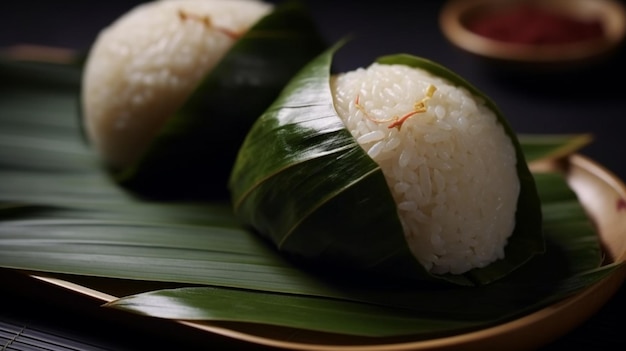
pixel 449 164
pixel 144 66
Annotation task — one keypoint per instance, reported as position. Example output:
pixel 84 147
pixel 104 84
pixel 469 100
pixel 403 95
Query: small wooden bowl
pixel 455 16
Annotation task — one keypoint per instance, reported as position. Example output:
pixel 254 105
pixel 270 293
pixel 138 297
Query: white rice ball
pixel 449 164
pixel 143 67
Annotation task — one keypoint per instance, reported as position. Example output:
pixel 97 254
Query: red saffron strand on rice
pixel 397 122
pixel 206 20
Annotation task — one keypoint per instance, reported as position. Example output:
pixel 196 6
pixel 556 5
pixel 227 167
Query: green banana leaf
pixel 183 162
pixel 345 317
pixel 302 181
pixel 400 310
pixel 535 146
pixel 61 214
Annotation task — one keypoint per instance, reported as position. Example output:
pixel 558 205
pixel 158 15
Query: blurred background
pixel 585 101
pixel 582 101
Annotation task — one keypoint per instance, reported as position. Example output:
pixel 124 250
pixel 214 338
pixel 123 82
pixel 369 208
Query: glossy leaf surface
pixel 302 181
pixel 59 213
pixel 191 157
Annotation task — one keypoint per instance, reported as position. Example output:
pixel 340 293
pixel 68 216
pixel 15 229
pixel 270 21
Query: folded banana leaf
pixel 302 181
pixel 192 155
pixel 60 213
pixel 400 310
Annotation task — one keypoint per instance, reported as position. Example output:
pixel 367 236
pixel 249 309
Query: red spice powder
pixel 527 24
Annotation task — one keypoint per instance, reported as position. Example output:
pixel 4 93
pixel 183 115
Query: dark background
pixel 579 101
pixel 582 101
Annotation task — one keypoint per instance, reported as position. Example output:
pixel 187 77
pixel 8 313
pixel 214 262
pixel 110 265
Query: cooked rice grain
pixel 143 67
pixel 451 169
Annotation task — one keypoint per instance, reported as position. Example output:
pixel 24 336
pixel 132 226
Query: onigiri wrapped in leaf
pixel 171 87
pixel 401 169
